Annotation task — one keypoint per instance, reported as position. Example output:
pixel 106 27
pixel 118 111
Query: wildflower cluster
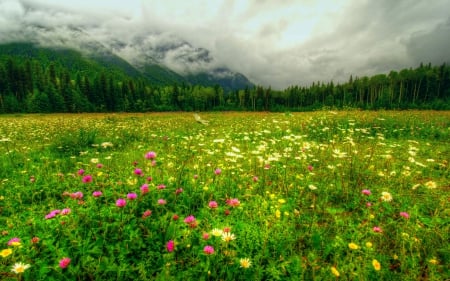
pixel 265 197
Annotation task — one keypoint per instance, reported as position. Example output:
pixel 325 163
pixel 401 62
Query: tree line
pixel 29 86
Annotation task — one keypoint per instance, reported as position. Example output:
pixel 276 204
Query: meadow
pixel 350 195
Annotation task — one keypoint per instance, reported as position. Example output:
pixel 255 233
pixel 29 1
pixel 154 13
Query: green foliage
pixel 63 80
pixel 298 179
pixel 73 142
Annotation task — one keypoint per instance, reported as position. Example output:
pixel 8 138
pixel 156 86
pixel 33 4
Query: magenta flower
pixel 218 171
pixel 150 155
pixel 161 186
pixel 189 219
pixel 64 262
pixel 178 191
pixel 131 196
pixel 255 179
pixel 377 229
pixel 233 202
pixel 13 241
pixel 404 214
pixel 147 213
pixel 310 168
pixel 76 195
pixel 170 246
pixel 195 177
pixel 52 214
pixel 227 212
pixel 366 192
pixel 368 204
pixel 80 172
pixel 138 172
pixel 121 202
pixel 213 204
pixel 205 236
pixel 149 179
pixel 162 202
pixel 65 211
pixel 144 188
pixel 87 179
pixel 175 217
pixel 99 165
pixel 209 250
pixel 97 193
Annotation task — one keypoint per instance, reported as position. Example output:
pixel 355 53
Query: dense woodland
pixel 31 85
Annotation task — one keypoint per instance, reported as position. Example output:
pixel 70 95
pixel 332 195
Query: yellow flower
pixel 216 232
pixel 106 144
pixel 430 185
pixel 131 181
pixel 433 261
pixel 19 267
pixel 6 252
pixel 15 243
pixel 376 264
pixel 245 263
pixel 277 214
pixel 353 246
pixel 281 201
pixel 369 244
pixel 227 236
pixel 386 196
pixel 335 271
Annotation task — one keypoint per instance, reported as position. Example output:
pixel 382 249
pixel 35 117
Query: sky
pixel 275 43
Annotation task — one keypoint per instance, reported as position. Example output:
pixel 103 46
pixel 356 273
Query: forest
pixel 36 85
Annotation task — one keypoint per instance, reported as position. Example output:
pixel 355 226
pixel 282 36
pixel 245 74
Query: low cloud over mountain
pixel 278 43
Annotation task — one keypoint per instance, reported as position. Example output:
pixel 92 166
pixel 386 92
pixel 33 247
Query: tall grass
pixel 317 196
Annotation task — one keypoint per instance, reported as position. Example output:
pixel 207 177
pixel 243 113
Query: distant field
pixel 359 195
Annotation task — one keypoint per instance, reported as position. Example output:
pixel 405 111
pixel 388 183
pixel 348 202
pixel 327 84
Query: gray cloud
pixel 432 46
pixel 277 43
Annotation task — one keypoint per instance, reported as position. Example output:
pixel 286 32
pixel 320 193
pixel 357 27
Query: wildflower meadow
pixel 350 195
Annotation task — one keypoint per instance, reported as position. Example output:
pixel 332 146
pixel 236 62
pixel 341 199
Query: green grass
pixel 298 180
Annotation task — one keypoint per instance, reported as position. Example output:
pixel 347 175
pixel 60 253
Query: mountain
pixel 160 55
pixel 159 58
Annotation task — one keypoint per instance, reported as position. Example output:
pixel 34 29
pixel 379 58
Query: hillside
pixel 57 79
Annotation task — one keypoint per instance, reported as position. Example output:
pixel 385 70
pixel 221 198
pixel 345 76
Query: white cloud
pixel 273 42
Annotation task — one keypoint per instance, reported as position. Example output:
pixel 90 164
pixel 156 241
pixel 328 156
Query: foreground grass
pixel 316 196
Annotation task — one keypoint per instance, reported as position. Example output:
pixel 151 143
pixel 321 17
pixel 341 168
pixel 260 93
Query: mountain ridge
pixel 162 60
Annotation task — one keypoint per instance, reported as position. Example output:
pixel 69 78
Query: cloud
pixel 432 46
pixel 10 14
pixel 368 38
pixel 272 42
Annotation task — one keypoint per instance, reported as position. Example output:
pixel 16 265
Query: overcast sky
pixel 273 42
